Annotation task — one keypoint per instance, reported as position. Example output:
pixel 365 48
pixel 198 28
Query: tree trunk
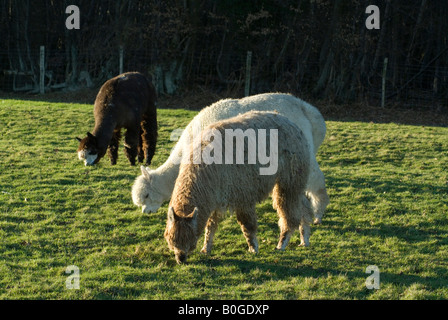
pixel 414 33
pixel 326 55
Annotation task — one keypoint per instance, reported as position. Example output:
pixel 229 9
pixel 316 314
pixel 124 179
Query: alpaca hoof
pixel 305 245
pixel 253 250
pixel 204 251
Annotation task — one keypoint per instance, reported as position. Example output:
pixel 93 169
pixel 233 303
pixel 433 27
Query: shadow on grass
pixel 391 198
pixel 409 234
pixel 284 270
pixel 382 185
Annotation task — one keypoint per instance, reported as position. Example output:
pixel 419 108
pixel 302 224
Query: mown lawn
pixel 388 185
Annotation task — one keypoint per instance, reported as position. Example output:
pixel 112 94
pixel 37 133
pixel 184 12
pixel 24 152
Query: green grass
pixel 388 185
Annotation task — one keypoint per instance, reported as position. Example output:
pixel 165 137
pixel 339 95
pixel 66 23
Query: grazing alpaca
pixel 126 101
pixel 154 187
pixel 204 191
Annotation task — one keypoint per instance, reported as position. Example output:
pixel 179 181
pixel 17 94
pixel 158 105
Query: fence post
pixel 121 60
pixel 248 65
pixel 383 89
pixel 42 70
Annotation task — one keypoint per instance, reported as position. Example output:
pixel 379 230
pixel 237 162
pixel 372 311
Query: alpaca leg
pixel 210 230
pixel 305 232
pixel 305 222
pixel 287 205
pixel 141 154
pixel 317 192
pixel 113 146
pixel 286 231
pixel 130 145
pixel 247 219
pixel 149 137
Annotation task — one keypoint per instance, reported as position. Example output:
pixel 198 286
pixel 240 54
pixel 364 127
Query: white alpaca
pixel 204 191
pixel 154 187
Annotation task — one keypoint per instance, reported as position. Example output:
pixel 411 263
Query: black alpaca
pixel 126 101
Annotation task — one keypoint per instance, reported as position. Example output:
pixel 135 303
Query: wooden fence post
pixel 383 89
pixel 121 60
pixel 248 65
pixel 42 70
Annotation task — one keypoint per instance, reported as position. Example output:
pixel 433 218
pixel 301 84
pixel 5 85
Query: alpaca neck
pixel 103 133
pixel 167 174
pixel 196 193
pixel 169 171
pixel 204 214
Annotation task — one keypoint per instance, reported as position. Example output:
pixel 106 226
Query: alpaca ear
pixel 90 135
pixel 194 217
pixel 79 139
pixel 172 215
pixel 145 172
pixel 194 214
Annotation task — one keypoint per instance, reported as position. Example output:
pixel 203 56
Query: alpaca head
pixel 181 234
pixel 88 150
pixel 145 191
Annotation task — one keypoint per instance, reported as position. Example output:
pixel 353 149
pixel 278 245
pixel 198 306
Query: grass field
pixel 388 185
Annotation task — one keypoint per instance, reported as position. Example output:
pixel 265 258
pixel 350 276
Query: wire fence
pixel 422 86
